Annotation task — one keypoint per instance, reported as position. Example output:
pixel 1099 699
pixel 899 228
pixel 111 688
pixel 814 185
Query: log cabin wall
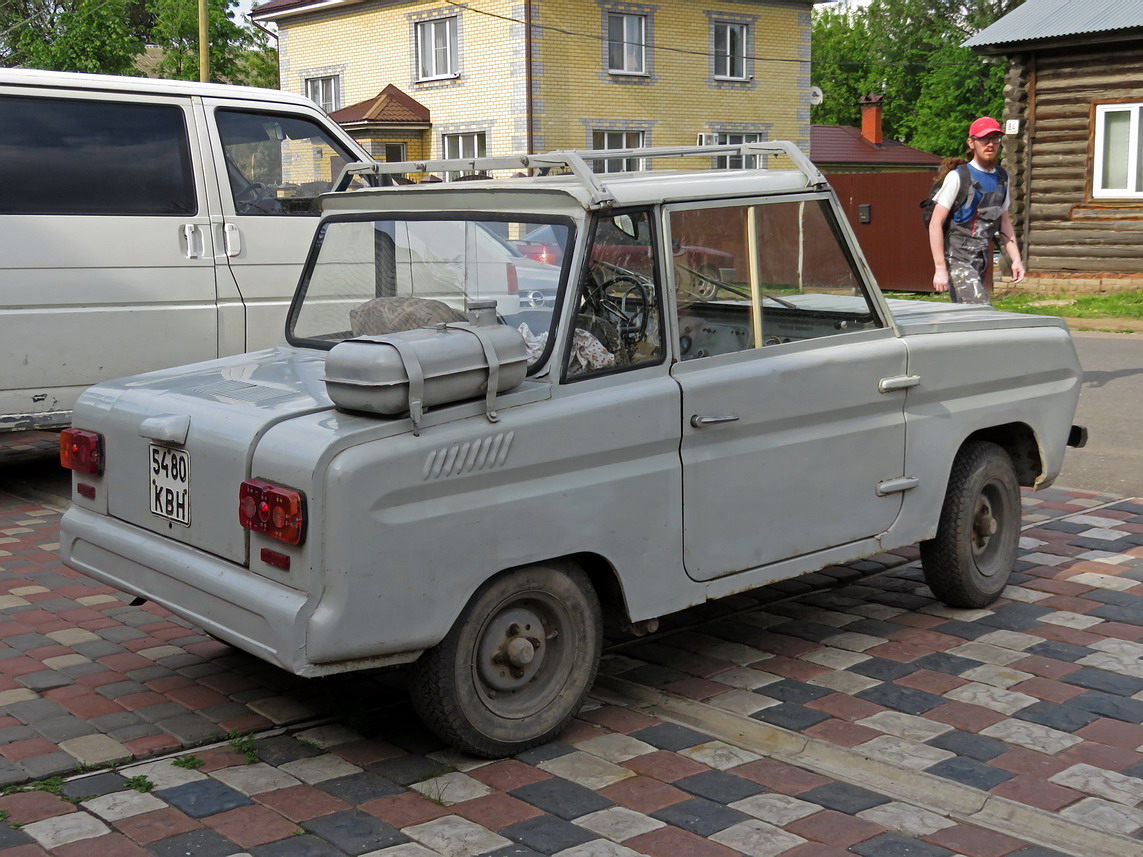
pixel 1070 242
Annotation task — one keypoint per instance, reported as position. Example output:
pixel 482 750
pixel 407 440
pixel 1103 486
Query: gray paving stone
pixel 789 715
pixel 59 729
pixel 843 797
pixel 970 745
pixel 969 772
pixel 10 837
pixel 964 630
pixel 1056 716
pixel 200 843
pixel 561 798
pixel 719 786
pixel 120 633
pixel 355 832
pixel 45 680
pixel 204 797
pixel 1060 651
pixel 146 674
pixel 1015 616
pixel 162 711
pixel 1107 705
pixel 945 663
pixel 513 851
pixel 283 748
pixel 1102 680
pixel 297 846
pixel 406 770
pixel 120 688
pixel 359 788
pixel 190 728
pixel 84 669
pixel 669 736
pixel 895 845
pixel 789 690
pixel 700 816
pixel 11 734
pixel 95 785
pixel 882 669
pixel 27 642
pixel 906 699
pixel 116 720
pixel 11 773
pixel 97 649
pixel 130 733
pixel 48 765
pixel 223 711
pixel 35 710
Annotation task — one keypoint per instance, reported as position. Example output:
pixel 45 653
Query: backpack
pixel 929 203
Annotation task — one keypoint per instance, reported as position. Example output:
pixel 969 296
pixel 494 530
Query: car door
pixel 789 445
pixel 106 254
pixel 272 162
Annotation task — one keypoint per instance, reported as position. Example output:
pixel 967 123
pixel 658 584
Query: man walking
pixel 974 213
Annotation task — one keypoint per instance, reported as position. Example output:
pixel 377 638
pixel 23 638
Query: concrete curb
pixel 962 803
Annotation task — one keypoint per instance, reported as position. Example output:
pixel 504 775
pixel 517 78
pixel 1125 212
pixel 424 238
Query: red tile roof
pixel 843 144
pixel 390 106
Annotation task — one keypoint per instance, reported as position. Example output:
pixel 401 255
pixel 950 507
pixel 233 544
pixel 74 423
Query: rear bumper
pixel 257 615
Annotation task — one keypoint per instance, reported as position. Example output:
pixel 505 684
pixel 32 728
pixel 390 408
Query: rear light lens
pixel 81 451
pixel 278 512
pixel 513 280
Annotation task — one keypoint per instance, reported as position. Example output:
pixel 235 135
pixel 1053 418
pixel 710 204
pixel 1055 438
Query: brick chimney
pixel 871 118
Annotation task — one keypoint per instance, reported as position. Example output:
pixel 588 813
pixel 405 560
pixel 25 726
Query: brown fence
pixel 883 210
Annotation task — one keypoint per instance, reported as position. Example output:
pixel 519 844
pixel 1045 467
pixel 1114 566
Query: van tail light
pixel 513 280
pixel 81 451
pixel 278 512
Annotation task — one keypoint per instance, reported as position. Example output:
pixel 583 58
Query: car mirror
pixel 626 224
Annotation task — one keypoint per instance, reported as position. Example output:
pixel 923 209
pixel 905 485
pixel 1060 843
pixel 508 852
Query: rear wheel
pixel 517 664
pixel 969 561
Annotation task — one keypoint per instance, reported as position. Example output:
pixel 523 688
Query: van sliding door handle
pixel 699 421
pixel 191 247
pixel 231 239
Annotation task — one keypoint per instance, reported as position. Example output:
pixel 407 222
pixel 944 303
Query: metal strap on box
pixel 416 381
pixel 493 367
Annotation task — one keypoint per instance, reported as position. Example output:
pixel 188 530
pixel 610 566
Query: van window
pixel 277 164
pixel 64 156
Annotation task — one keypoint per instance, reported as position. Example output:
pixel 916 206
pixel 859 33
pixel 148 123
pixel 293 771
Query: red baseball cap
pixel 984 126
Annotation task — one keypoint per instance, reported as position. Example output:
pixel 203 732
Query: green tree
pixel 176 32
pixel 909 52
pixel 69 35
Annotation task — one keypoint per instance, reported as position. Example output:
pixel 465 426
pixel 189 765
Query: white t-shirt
pixel 946 196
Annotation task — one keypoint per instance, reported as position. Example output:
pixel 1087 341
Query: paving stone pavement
pixel 1034 704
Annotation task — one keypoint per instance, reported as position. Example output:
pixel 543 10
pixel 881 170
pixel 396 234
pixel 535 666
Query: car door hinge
pixel 898 382
pixel 896 486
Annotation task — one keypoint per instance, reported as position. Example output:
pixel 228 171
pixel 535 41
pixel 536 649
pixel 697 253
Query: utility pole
pixel 203 44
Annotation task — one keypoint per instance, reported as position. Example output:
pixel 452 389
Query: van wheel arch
pixel 1023 447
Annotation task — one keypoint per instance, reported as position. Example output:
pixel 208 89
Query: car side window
pixel 618 317
pixel 277 164
pixel 76 156
pixel 763 275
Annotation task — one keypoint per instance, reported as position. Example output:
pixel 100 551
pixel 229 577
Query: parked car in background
pixel 478 498
pixel 147 223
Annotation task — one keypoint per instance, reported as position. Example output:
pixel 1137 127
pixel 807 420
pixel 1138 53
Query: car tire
pixel 969 561
pixel 515 667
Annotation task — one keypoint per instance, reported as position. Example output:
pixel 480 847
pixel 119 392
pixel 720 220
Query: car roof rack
pixel 577 163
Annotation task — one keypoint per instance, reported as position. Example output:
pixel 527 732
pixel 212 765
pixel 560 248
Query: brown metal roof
pixel 843 144
pixel 390 106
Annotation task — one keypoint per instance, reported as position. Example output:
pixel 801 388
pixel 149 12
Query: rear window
pixel 63 156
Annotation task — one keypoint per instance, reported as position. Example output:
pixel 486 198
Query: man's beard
pixel 988 161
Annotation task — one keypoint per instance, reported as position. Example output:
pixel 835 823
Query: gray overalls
pixel 969 243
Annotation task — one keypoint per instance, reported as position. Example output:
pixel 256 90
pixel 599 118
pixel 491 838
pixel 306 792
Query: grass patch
pixel 1115 305
pixel 190 763
pixel 243 744
pixel 140 783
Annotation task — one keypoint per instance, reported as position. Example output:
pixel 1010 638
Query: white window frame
pixel 737 162
pixel 617 139
pixel 1133 187
pixel 469 144
pixel 633 33
pixel 327 89
pixel 724 58
pixel 436 61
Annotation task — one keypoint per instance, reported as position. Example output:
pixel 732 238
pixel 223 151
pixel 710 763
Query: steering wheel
pixel 624 301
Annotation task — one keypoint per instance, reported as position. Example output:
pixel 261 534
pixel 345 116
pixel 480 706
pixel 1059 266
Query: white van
pixel 145 224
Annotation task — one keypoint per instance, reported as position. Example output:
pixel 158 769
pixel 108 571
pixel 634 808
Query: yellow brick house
pixel 443 78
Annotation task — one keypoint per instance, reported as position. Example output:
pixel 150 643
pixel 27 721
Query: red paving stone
pixel 1021 761
pixel 1045 667
pixel 963 715
pixel 672 842
pixel 1102 756
pixel 835 828
pixel 816 849
pixel 665 766
pixel 366 752
pixel 508 774
pixel 1048 690
pixel 619 720
pixel 1115 733
pixel 791 667
pixel 301 803
pixel 19 750
pixel 110 845
pixel 496 811
pixel 975 841
pixel 153 826
pixel 644 794
pixel 841 732
pixel 845 707
pixel 779 777
pixel 404 810
pixel 1036 792
pixel 26 851
pixel 26 807
pixel 931 681
pixel 700 689
pixel 249 826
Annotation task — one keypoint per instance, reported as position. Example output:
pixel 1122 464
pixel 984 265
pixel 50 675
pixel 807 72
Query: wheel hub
pixel 512 649
pixel 984 524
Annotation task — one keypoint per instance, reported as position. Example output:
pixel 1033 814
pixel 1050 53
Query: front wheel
pixel 969 561
pixel 517 664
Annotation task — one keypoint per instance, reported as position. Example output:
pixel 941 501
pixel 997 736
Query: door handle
pixel 231 239
pixel 192 251
pixel 898 382
pixel 699 421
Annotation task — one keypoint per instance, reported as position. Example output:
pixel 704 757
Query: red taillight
pixel 513 280
pixel 278 512
pixel 81 451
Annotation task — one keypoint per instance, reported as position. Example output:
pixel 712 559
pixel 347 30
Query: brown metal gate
pixel 882 207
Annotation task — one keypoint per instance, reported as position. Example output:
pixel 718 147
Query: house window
pixel 606 140
pixel 464 146
pixel 394 152
pixel 1118 168
pixel 323 91
pixel 436 49
pixel 626 44
pixel 736 162
pixel 729 50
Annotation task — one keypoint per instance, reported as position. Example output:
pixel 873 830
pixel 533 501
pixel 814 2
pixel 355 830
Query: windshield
pixel 380 276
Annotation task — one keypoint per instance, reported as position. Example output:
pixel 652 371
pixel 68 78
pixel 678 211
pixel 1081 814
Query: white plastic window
pixel 729 50
pixel 1117 171
pixel 605 140
pixel 323 91
pixel 436 49
pixel 737 162
pixel 626 44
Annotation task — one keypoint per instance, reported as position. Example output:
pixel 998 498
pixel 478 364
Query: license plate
pixel 170 483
